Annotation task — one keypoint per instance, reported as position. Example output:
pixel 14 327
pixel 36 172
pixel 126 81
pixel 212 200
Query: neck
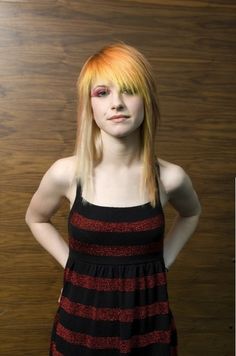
pixel 120 152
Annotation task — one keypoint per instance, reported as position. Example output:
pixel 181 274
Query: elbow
pixel 31 218
pixel 196 213
pixel 27 218
pixel 198 210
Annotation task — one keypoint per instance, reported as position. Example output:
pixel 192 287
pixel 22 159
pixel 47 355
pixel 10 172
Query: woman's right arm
pixel 44 203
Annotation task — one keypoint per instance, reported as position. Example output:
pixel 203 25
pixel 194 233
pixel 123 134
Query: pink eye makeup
pixel 100 91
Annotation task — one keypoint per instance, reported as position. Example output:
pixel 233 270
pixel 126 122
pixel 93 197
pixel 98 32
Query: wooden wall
pixel 191 45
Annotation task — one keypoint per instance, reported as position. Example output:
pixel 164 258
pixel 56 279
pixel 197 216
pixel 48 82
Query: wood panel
pixel 191 45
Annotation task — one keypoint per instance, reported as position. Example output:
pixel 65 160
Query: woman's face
pixel 108 101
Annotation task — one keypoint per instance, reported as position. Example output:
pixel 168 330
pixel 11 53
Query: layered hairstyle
pixel 126 67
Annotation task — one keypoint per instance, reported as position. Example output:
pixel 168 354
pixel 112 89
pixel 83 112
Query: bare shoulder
pixel 179 189
pixel 172 175
pixel 62 171
pixel 58 178
pixel 54 185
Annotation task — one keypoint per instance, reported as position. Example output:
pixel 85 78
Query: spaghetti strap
pixel 158 168
pixel 157 176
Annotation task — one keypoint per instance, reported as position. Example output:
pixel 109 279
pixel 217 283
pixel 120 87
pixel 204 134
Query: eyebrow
pixel 100 85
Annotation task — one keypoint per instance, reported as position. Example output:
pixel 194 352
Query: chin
pixel 120 131
pixel 122 134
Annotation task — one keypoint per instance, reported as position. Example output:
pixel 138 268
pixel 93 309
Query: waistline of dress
pixel 116 260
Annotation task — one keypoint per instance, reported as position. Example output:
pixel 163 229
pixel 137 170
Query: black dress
pixel 114 299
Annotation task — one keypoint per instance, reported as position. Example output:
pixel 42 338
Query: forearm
pixel 179 233
pixel 50 239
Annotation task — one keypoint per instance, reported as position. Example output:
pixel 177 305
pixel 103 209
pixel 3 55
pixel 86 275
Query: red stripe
pixel 54 352
pixel 85 223
pixel 108 250
pixel 114 314
pixel 115 284
pixel 113 342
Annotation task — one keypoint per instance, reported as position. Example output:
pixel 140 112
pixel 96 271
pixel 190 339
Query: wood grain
pixel 191 46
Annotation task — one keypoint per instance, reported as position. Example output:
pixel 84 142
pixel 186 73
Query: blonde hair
pixel 126 67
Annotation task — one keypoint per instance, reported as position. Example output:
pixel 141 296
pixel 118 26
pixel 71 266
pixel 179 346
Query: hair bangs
pixel 119 72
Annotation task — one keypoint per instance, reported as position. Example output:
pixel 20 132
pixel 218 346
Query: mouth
pixel 117 117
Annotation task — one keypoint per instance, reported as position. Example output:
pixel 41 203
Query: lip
pixel 119 117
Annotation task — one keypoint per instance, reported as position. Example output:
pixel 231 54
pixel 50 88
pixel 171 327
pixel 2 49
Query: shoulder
pixel 62 172
pixel 54 185
pixel 172 175
pixel 179 189
pixel 64 165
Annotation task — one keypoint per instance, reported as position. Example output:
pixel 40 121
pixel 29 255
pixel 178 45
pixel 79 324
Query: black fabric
pixel 115 298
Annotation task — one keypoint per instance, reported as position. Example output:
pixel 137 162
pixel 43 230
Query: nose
pixel 117 101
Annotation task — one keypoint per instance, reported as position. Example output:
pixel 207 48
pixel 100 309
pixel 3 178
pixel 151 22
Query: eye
pixel 128 91
pixel 101 92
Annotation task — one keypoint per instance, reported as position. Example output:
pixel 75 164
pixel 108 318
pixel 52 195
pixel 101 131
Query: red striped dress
pixel 114 299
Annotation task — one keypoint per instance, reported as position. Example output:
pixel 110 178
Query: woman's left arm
pixel 184 199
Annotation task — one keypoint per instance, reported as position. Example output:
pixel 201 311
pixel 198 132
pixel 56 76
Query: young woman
pixel 114 299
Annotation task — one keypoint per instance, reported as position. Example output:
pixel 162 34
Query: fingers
pixel 59 299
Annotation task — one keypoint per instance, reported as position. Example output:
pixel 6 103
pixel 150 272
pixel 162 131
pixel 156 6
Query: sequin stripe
pixel 54 351
pixel 114 314
pixel 115 284
pixel 85 223
pixel 113 342
pixel 108 250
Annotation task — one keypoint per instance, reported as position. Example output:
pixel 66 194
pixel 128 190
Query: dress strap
pixel 157 175
pixel 79 190
pixel 158 168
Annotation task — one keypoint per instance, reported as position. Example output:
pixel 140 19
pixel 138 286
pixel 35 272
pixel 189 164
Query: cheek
pixel 98 109
pixel 137 104
pixel 139 107
pixel 95 111
pixel 98 114
pixel 93 106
